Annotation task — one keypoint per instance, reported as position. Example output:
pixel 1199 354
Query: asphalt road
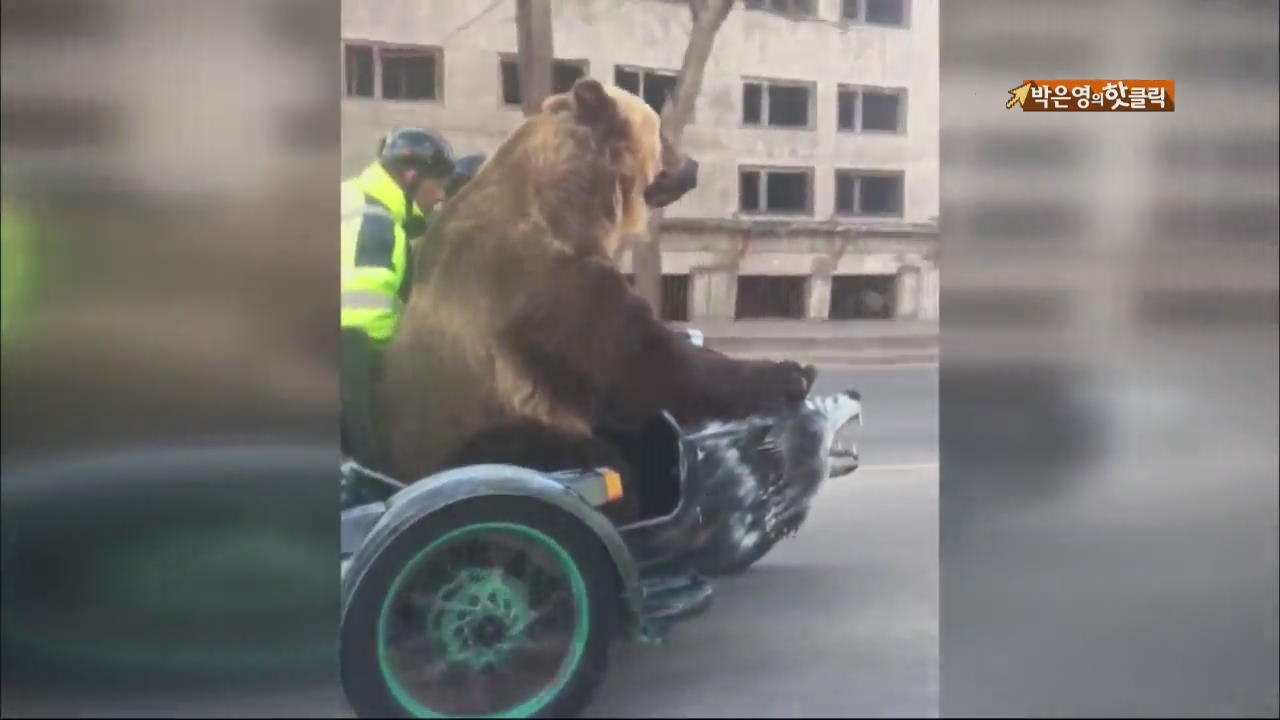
pixel 839 621
pixel 900 412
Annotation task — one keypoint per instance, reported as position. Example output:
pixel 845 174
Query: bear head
pixel 628 132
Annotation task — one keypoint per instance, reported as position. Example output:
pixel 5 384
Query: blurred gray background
pixel 1108 385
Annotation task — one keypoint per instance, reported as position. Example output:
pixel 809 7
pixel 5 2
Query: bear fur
pixel 521 337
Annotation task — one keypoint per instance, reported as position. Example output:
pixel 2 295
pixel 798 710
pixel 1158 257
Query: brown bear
pixel 521 337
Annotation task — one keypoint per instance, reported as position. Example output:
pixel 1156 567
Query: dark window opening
pixel 770 296
pixel 751 103
pixel 510 82
pixel 867 109
pixel 654 86
pixel 749 190
pixel 862 297
pixel 675 298
pixel 788 106
pixel 886 12
pixel 878 12
pixel 845 189
pixel 869 193
pixel 787 192
pixel 793 8
pixel 628 80
pixel 564 73
pixel 880 195
pixel 779 191
pixel 659 90
pixel 359 67
pixel 775 105
pixel 845 104
pixel 880 111
pixel 408 75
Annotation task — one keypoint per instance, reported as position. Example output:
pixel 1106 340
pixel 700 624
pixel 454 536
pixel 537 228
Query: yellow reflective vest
pixel 374 252
pixel 17 243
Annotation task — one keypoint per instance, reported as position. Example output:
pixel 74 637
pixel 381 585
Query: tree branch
pixel 708 16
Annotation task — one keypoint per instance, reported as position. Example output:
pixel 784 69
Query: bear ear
pixel 594 108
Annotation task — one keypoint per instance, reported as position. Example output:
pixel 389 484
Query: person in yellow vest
pixel 382 208
pixel 20 237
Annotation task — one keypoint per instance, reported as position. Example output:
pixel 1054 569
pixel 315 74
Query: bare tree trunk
pixel 646 252
pixel 535 52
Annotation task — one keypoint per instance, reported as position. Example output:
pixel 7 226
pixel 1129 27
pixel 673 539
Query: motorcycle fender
pixel 573 493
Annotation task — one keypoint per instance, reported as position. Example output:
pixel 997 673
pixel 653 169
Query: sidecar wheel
pixel 496 607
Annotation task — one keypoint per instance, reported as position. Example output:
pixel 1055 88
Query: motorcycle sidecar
pixel 494 590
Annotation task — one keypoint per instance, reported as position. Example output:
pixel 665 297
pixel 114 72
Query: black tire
pixel 367 688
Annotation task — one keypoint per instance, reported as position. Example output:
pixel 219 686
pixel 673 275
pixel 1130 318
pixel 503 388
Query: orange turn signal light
pixel 612 485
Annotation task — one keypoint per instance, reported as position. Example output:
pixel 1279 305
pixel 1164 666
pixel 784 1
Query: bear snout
pixel 671 185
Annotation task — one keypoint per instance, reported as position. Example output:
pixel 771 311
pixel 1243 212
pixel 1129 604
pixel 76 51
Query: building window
pixel 359 70
pixel 409 74
pixel 510 82
pixel 875 12
pixel 788 8
pixel 768 190
pixel 871 109
pixel 862 297
pixel 371 70
pixel 655 86
pixel 770 296
pixel 776 104
pixel 675 298
pixel 870 192
pixel 564 73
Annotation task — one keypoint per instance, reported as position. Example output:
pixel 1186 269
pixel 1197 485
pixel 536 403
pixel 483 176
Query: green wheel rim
pixel 577 644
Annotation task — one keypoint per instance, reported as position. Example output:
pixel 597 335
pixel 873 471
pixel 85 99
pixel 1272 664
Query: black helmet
pixel 416 148
pixel 463 170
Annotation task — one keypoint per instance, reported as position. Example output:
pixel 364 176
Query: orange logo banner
pixel 1093 96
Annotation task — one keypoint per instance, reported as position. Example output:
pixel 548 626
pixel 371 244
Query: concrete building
pixel 816 130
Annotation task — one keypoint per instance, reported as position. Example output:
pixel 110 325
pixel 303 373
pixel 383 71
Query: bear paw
pixel 777 386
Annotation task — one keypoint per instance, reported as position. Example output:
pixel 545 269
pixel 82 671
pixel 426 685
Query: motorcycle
pixel 495 590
